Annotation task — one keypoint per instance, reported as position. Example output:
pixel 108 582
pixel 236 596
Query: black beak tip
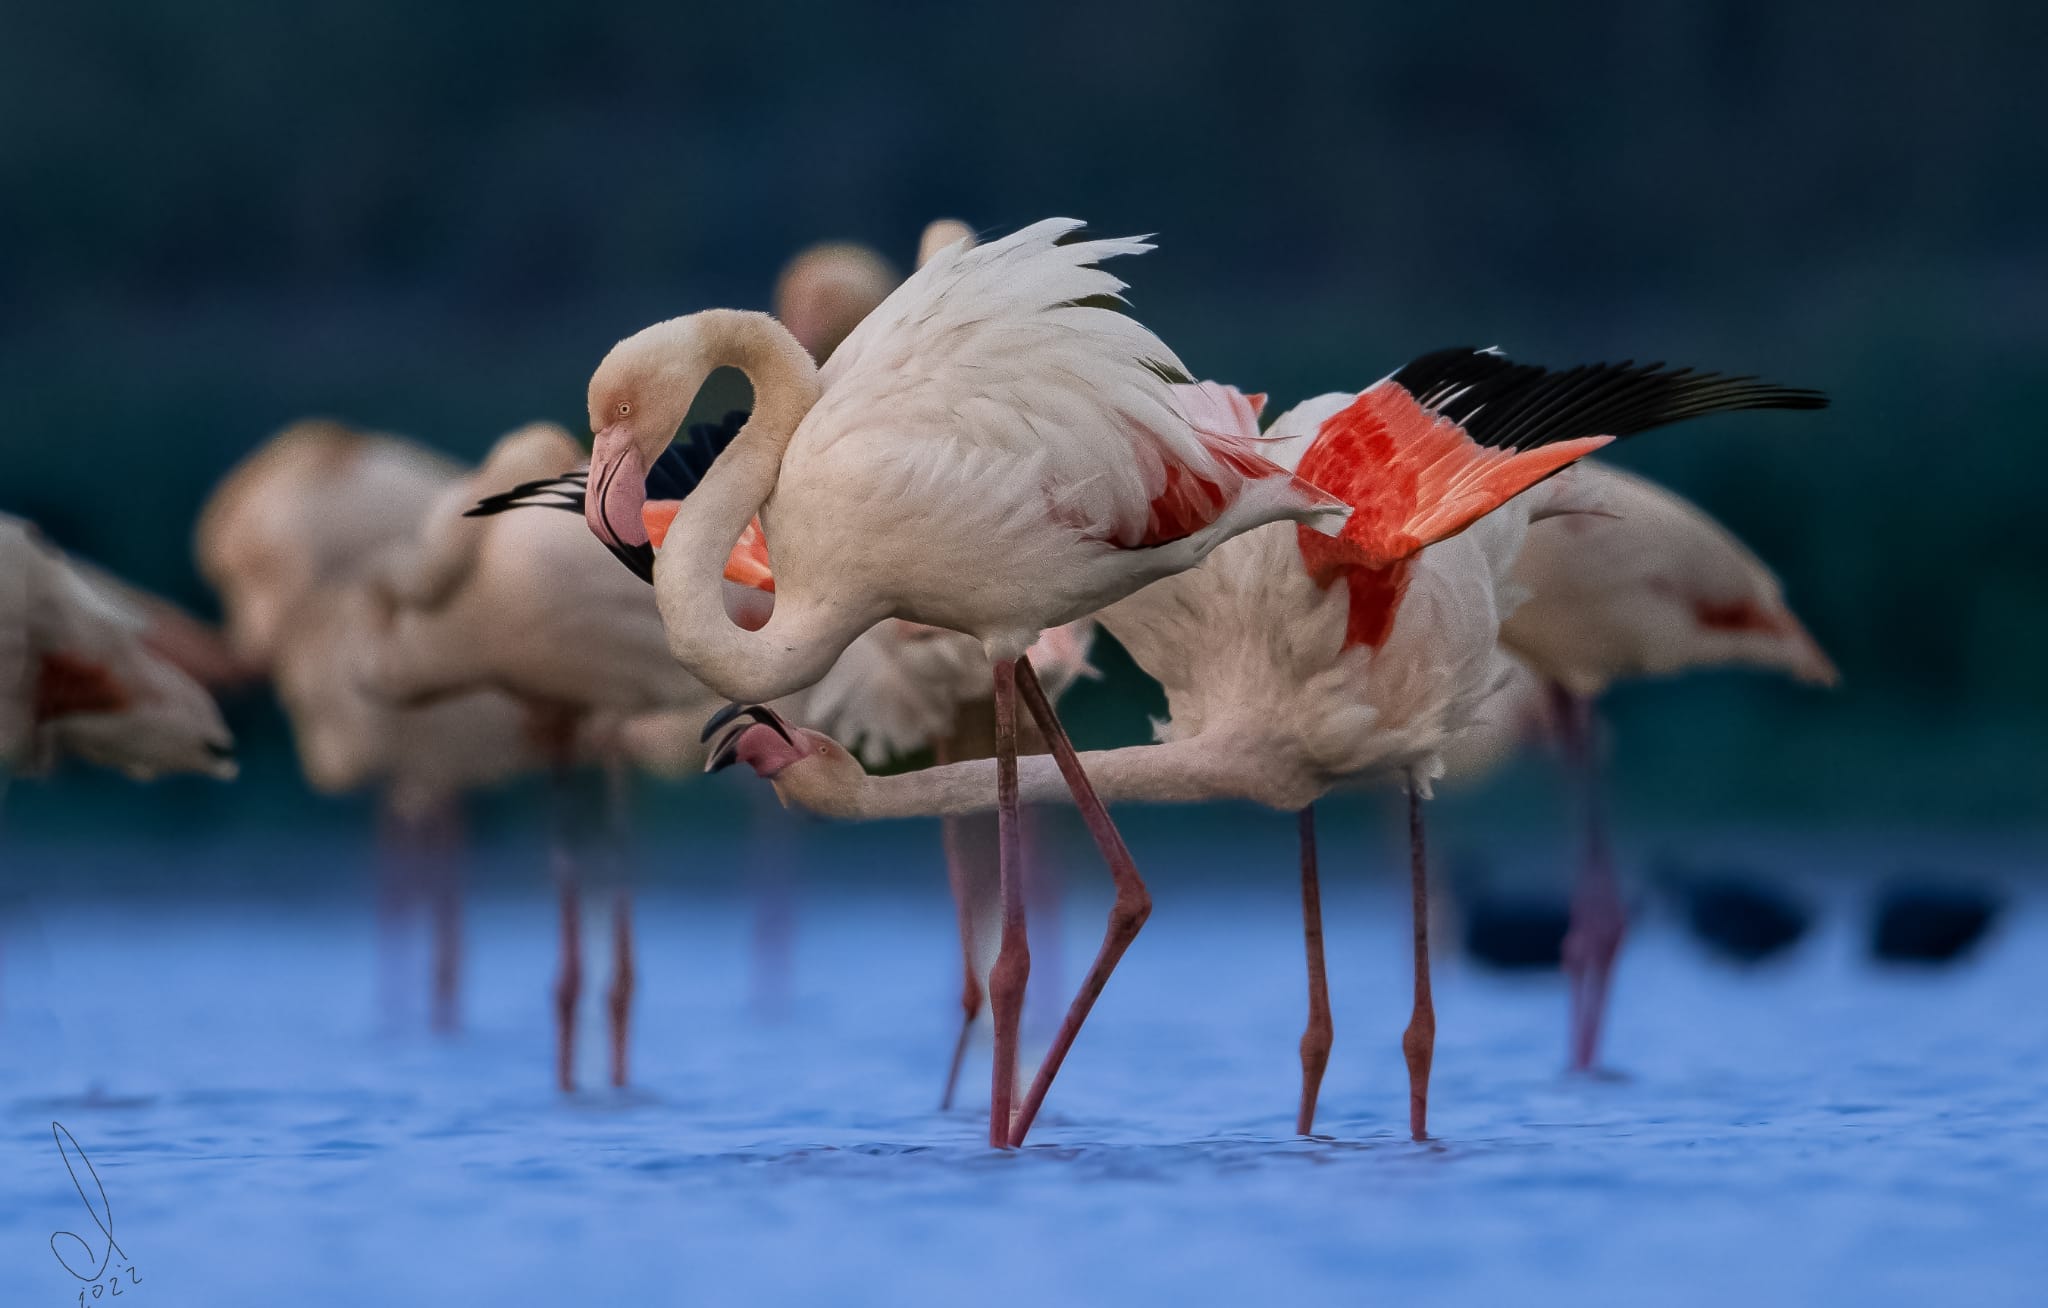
pixel 769 718
pixel 727 754
pixel 718 720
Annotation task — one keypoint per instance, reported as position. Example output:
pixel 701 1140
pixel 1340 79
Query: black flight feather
pixel 1507 405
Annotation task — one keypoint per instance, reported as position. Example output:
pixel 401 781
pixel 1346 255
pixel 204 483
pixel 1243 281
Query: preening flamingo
pixel 995 450
pixel 1645 585
pixel 528 604
pixel 79 678
pixel 284 540
pixel 1293 662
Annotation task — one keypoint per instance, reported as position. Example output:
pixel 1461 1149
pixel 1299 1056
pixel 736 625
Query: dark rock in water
pixel 1742 918
pixel 1516 932
pixel 1922 921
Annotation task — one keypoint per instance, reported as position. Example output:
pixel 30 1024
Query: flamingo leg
pixel 958 832
pixel 1043 892
pixel 619 997
pixel 569 981
pixel 1126 916
pixel 1593 939
pixel 1418 1042
pixel 1006 980
pixel 1316 1039
pixel 968 840
pixel 398 863
pixel 446 854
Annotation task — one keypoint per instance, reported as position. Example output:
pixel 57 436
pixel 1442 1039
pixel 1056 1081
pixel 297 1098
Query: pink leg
pixel 960 831
pixel 1042 894
pixel 1316 1040
pixel 1012 970
pixel 569 982
pixel 397 863
pixel 446 853
pixel 1133 903
pixel 619 998
pixel 1418 1042
pixel 1593 939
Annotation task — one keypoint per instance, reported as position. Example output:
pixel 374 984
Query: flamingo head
pixel 638 401
pixel 778 751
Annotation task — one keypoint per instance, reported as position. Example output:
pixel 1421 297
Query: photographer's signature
pixel 109 1271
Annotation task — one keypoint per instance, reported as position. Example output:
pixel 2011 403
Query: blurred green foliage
pixel 434 219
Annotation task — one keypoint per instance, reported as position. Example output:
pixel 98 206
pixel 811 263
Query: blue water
pixel 1817 1130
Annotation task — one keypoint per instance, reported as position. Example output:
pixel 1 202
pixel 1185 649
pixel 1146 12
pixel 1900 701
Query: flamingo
pixel 995 450
pixel 1292 662
pixel 904 688
pixel 528 604
pixel 79 678
pixel 1646 585
pixel 280 540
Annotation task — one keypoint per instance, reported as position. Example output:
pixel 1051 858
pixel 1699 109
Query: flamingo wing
pixel 1457 433
pixel 1016 359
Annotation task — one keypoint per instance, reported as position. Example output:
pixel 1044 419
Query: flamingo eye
pixel 625 409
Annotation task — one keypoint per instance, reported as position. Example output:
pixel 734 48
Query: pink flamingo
pixel 282 540
pixel 995 450
pixel 79 676
pixel 529 605
pixel 1294 663
pixel 1646 585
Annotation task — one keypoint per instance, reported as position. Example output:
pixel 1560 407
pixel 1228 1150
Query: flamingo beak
pixel 726 752
pixel 760 713
pixel 616 492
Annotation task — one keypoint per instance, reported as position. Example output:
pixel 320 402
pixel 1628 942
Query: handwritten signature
pixel 105 1277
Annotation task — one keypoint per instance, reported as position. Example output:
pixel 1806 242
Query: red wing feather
pixel 69 684
pixel 1226 420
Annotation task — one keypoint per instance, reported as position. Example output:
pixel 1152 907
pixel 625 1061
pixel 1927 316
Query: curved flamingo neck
pixel 1177 772
pixel 805 634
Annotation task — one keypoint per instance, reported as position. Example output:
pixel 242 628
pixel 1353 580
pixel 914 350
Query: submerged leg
pixel 619 998
pixel 445 852
pixel 959 832
pixel 1593 939
pixel 397 863
pixel 569 981
pixel 1133 903
pixel 1012 970
pixel 1043 891
pixel 971 845
pixel 1418 1042
pixel 1316 1039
